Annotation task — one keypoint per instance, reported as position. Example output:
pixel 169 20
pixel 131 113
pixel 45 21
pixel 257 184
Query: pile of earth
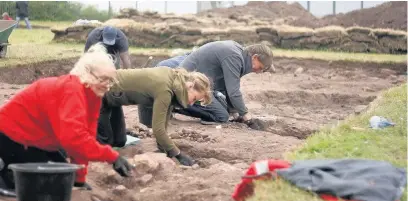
pixel 274 12
pixel 263 21
pixel 392 15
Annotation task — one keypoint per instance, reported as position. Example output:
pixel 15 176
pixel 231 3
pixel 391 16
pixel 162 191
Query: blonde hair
pixel 98 47
pixel 201 83
pixel 95 58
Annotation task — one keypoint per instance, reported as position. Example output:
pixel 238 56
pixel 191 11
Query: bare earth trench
pixel 292 104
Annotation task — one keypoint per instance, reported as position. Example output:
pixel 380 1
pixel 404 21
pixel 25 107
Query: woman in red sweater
pixel 60 113
pixel 6 16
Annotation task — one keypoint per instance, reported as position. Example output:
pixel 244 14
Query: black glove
pixel 239 119
pixel 83 185
pixel 122 167
pixel 256 124
pixel 185 159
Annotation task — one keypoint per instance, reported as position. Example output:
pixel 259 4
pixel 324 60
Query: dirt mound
pixel 280 12
pixel 284 25
pixel 392 15
pixel 353 39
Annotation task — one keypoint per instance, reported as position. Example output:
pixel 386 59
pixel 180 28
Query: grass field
pixel 29 46
pixel 350 139
pixel 49 23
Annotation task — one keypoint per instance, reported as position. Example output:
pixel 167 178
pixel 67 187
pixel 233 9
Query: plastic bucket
pixel 44 181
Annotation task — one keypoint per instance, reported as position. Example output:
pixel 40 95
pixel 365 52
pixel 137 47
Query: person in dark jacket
pixel 22 13
pixel 158 90
pixel 225 62
pixel 114 40
pixel 58 115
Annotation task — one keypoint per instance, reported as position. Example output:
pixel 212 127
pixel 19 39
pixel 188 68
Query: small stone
pixel 359 109
pixel 368 89
pixel 195 167
pixel 145 179
pixel 144 164
pixel 141 127
pixel 186 131
pixel 119 190
pixel 185 167
pixel 150 132
pixel 165 163
pixel 175 136
pixel 112 177
pixel 298 71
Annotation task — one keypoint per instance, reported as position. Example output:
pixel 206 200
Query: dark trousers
pixel 111 125
pixel 216 111
pixel 13 152
pixel 145 115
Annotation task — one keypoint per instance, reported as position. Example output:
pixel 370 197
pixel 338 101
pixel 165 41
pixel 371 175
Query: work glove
pixel 83 185
pixel 238 119
pixel 184 159
pixel 253 123
pixel 122 167
pixel 256 124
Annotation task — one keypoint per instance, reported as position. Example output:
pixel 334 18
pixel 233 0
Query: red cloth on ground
pixel 258 170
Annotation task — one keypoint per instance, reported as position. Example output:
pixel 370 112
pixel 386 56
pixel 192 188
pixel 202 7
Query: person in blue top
pixel 115 42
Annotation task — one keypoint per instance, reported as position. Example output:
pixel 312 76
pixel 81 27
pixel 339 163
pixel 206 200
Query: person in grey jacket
pixel 225 62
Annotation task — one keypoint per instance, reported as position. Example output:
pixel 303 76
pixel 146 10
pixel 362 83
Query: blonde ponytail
pixel 201 83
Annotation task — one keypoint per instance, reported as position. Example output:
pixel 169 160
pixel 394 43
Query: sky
pixel 318 8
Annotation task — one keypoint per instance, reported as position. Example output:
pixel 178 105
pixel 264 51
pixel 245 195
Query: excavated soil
pixel 302 96
pixel 392 15
pixel 292 14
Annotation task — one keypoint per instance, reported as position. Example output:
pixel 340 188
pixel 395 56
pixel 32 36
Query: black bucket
pixel 44 181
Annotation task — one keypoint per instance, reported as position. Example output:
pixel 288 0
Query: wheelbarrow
pixel 6 27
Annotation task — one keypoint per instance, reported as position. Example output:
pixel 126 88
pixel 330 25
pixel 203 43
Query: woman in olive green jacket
pixel 160 89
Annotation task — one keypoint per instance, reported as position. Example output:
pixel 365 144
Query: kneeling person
pixel 156 91
pixel 59 113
